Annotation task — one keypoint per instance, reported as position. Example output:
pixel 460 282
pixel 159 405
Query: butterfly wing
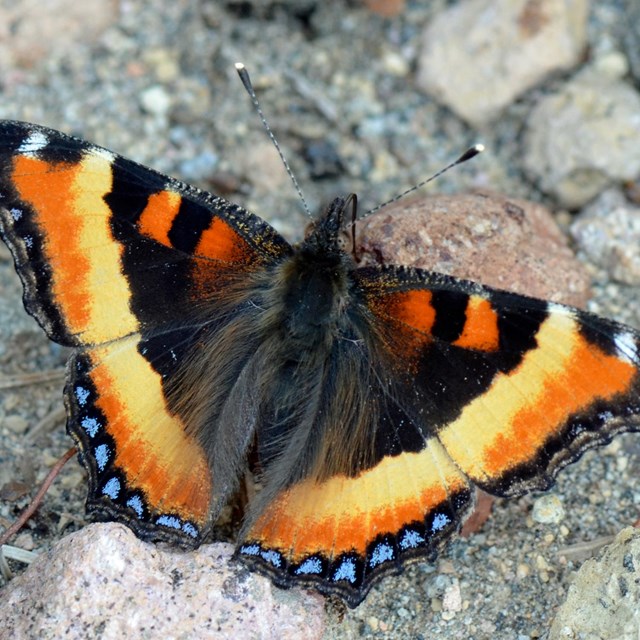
pixel 515 388
pixel 484 388
pixel 126 265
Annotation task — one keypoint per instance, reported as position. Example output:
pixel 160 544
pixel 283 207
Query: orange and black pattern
pixel 369 401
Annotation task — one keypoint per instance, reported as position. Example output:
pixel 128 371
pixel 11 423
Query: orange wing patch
pixel 158 216
pixel 83 259
pixel 334 530
pixel 140 448
pixel 510 423
pixel 219 241
pixel 480 330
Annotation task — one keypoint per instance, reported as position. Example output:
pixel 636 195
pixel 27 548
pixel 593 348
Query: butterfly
pixel 370 401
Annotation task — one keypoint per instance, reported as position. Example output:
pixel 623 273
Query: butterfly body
pixel 372 399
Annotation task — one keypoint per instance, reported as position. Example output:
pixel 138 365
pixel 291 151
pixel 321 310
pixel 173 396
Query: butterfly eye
pixel 308 230
pixel 345 242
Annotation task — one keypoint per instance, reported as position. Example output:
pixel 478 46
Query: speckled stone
pixel 502 242
pixel 603 598
pixel 104 582
pixel 608 232
pixel 583 138
pixel 498 49
pixel 548 509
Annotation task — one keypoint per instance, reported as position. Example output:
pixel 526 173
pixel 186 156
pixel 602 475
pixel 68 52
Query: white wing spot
pixel 109 156
pixel 626 346
pixel 34 143
pixel 16 214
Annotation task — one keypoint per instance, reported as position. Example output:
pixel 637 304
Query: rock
pixel 499 49
pixel 584 137
pixel 602 602
pixel 631 35
pixel 103 582
pixel 548 509
pixel 32 31
pixel 156 101
pixel 501 242
pixel 608 232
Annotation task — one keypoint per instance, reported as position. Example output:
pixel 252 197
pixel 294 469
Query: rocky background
pixel 367 97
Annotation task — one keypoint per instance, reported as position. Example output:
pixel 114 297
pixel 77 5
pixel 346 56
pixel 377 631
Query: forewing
pixel 128 266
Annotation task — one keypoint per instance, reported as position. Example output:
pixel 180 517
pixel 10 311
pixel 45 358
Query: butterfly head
pixel 328 235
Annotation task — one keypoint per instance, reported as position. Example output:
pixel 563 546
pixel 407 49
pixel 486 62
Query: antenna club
pixel 239 66
pixel 470 153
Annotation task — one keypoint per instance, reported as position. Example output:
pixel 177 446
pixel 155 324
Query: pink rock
pixel 502 242
pixel 104 582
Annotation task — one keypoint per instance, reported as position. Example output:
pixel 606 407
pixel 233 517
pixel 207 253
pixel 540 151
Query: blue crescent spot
pixel 112 488
pixel 346 571
pixel 91 426
pixel 382 552
pixel 135 502
pixel 309 566
pixel 102 454
pixel 440 522
pixel 250 549
pixel 169 521
pixel 190 530
pixel 82 395
pixel 411 539
pixel 272 557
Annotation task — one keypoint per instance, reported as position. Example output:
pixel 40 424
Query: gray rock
pixel 608 232
pixel 584 137
pixel 104 582
pixel 602 602
pixel 498 49
pixel 548 509
pixel 631 36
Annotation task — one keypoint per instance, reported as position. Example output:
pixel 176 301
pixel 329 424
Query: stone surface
pixel 608 232
pixel 631 35
pixel 501 242
pixel 104 582
pixel 584 137
pixel 603 600
pixel 29 29
pixel 499 49
pixel 548 509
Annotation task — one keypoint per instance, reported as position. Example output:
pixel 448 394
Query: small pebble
pixel 156 101
pixel 15 423
pixel 548 509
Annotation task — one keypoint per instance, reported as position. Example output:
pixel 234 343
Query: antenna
pixel 246 81
pixel 467 155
